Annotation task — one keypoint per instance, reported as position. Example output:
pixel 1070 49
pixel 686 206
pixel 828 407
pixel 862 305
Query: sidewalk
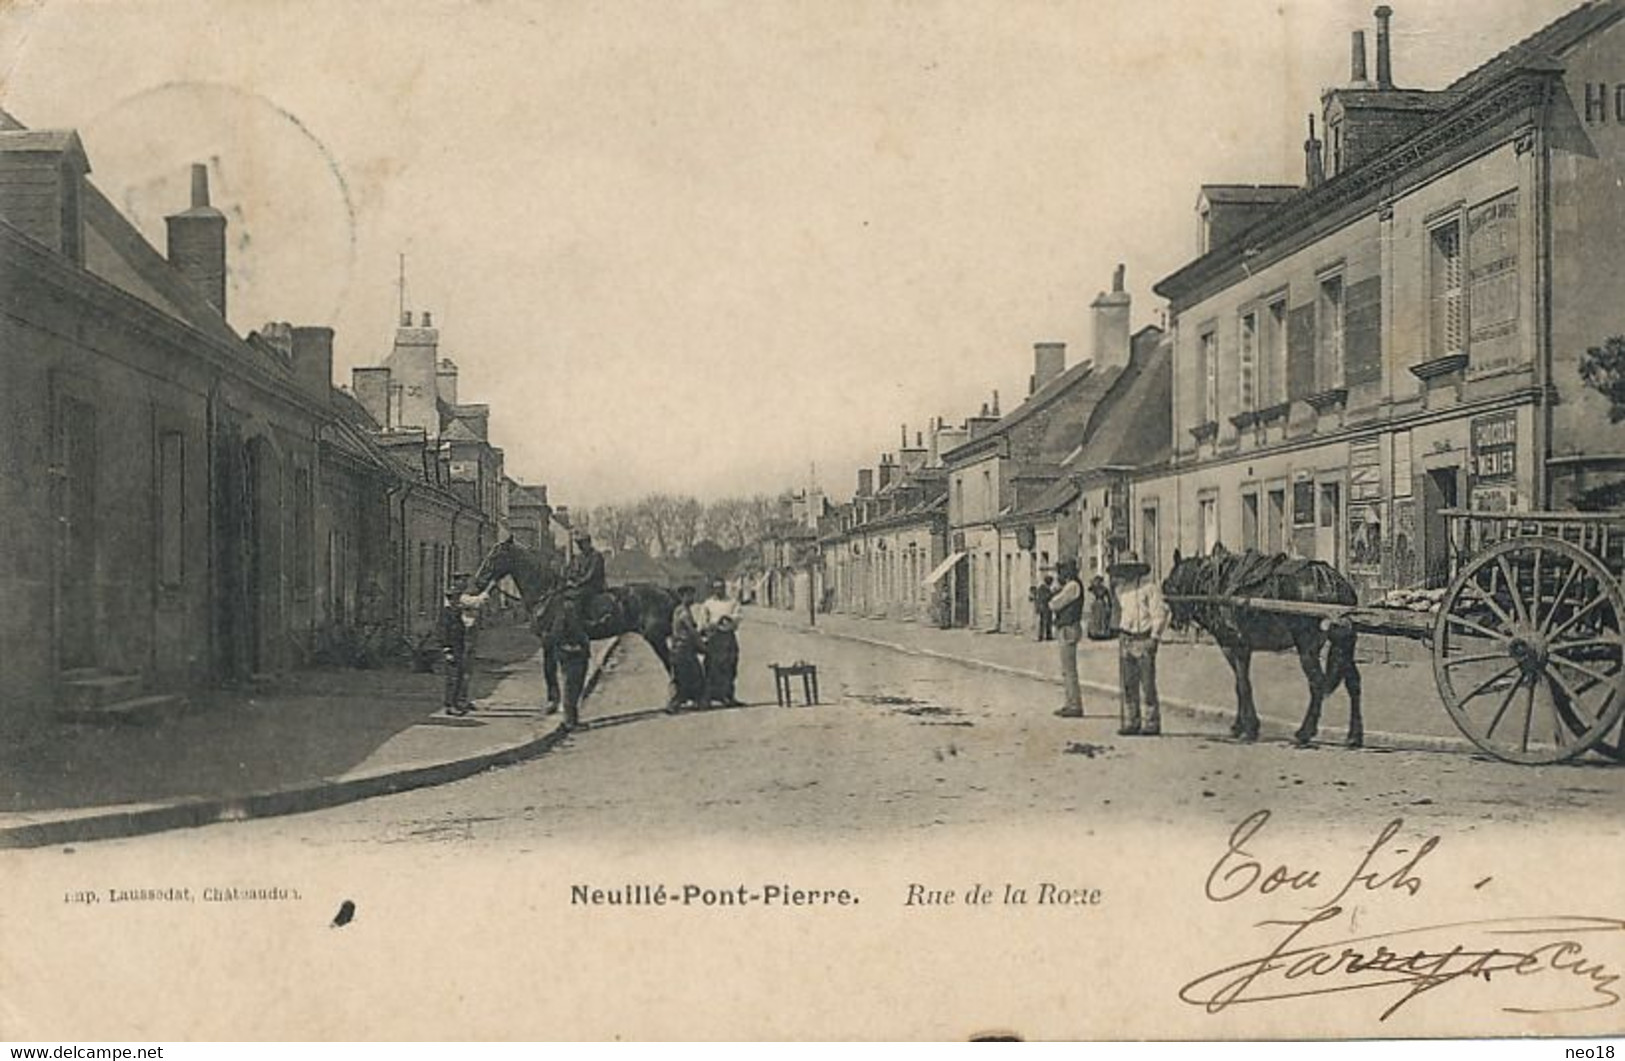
pixel 316 739
pixel 1400 704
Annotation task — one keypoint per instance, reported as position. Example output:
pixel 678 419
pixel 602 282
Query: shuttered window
pixel 1247 365
pixel 1448 308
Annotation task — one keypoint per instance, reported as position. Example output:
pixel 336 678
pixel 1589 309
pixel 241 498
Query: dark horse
pixel 639 609
pixel 1240 631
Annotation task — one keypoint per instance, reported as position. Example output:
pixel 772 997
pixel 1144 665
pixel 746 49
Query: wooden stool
pixel 783 673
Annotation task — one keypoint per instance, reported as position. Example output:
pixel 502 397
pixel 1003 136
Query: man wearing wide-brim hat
pixel 1140 617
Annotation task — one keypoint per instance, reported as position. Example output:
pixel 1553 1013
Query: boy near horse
pixel 459 619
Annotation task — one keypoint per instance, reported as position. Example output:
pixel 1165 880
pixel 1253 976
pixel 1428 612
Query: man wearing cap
pixel 1140 618
pixel 459 625
pixel 585 584
pixel 1067 608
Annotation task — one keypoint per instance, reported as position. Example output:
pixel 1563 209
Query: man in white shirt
pixel 1140 618
pixel 1067 607
pixel 718 619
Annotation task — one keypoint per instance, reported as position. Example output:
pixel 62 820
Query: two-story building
pixel 1403 334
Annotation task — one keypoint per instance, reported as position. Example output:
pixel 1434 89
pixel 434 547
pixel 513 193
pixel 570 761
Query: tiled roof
pixel 1248 193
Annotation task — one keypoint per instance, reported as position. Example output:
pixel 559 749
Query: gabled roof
pixel 1130 430
pixel 457 431
pixel 1082 374
pixel 1545 44
pixel 520 494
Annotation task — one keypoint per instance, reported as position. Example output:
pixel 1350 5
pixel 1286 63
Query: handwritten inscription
pixel 1558 964
pixel 1385 865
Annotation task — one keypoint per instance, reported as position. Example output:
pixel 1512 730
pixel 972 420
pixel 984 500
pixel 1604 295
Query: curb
pixel 108 823
pixel 1328 733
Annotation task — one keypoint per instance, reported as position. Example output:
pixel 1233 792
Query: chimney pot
pixel 1385 69
pixel 428 321
pixel 406 318
pixel 1117 279
pixel 1357 71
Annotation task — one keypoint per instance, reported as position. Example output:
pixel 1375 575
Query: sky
pixel 703 247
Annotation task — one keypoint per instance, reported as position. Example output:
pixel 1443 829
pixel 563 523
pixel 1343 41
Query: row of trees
pixel 676 525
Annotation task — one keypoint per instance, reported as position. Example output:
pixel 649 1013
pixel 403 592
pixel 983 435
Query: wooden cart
pixel 1528 638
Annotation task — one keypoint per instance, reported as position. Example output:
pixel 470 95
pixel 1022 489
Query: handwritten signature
pixel 1418 960
pixel 1546 958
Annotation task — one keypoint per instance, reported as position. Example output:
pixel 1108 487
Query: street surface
pixel 907 743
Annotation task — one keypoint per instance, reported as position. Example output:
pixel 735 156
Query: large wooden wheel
pixel 1529 651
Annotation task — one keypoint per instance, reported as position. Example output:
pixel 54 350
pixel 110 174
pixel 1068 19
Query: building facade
pixel 1402 336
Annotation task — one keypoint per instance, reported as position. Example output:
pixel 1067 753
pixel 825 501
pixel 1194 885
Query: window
pixel 1447 314
pixel 1329 334
pixel 1274 371
pixel 1207 523
pixel 1249 520
pixel 1276 526
pixel 1247 366
pixel 171 509
pixel 1208 366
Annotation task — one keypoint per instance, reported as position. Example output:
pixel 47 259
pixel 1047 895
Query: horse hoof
pixel 1248 736
pixel 1354 741
pixel 1303 741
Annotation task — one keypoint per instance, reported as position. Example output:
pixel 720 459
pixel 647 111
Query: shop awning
pixel 942 569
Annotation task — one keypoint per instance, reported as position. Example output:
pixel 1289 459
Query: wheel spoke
pixel 1512 585
pixel 1469 624
pixel 1600 677
pixel 1477 657
pixel 1564 700
pixel 1502 710
pixel 1557 601
pixel 1534 605
pixel 1483 686
pixel 1528 715
pixel 1488 595
pixel 1577 616
pixel 1588 642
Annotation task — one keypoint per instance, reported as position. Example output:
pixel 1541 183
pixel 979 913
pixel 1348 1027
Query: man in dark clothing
pixel 573 650
pixel 585 584
pixel 718 617
pixel 1042 594
pixel 687 673
pixel 1068 605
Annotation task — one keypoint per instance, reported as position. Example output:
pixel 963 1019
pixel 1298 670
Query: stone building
pixel 158 501
pixel 1402 335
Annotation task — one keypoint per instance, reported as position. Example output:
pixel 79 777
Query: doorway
pixel 1441 490
pixel 1276 528
pixel 76 570
pixel 1329 525
pixel 1249 520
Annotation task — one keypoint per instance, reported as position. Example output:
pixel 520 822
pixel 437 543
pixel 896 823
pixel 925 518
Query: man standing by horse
pixel 687 674
pixel 1140 618
pixel 1067 607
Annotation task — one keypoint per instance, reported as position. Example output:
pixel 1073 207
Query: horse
pixel 638 608
pixel 1240 630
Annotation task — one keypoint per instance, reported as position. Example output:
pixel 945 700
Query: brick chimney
pixel 197 243
pixel 888 472
pixel 912 458
pixel 1314 170
pixel 1049 361
pixel 1357 72
pixel 42 187
pixel 1385 66
pixel 866 482
pixel 370 385
pixel 446 381
pixel 1111 325
pixel 313 359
